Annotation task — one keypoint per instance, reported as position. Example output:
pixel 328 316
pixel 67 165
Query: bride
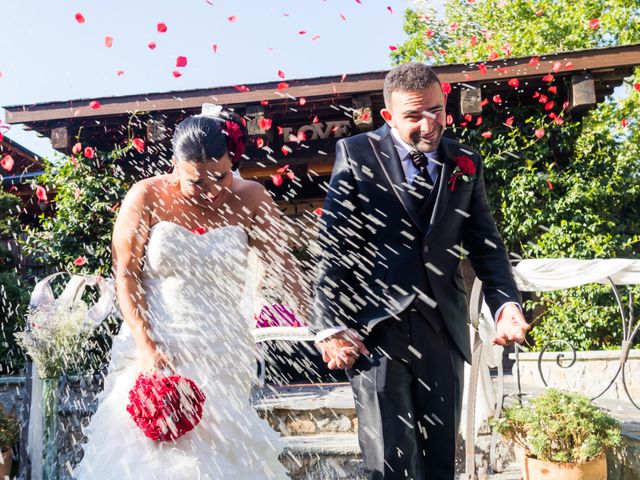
pixel 180 247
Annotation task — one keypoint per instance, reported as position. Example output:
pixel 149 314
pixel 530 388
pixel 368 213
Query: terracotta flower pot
pixel 534 469
pixel 5 466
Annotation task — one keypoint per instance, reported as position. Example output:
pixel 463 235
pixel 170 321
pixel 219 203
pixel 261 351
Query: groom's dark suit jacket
pixel 384 249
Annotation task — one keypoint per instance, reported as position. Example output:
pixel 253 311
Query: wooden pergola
pixel 304 118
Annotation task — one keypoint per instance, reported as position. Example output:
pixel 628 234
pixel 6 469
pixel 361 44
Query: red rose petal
pixel 553 89
pixel 514 82
pixel 548 78
pixel 161 27
pixel 265 123
pixel 276 179
pixel 232 19
pixel 534 61
pixel 556 67
pixel 177 74
pixel 497 99
pixel 568 65
pixel 449 119
pixel 509 121
pixel 80 261
pixel 7 162
pixel 200 230
pixel 549 184
pixel 283 85
pixel 119 73
pixel 181 61
pixel 95 104
pixel 138 144
pixel 446 88
pixel 393 48
pixel 484 102
pixel 215 48
pixel 390 9
pixel 623 122
pixel 318 211
pixel 550 105
pixel 486 135
pixel 152 45
pixel 281 74
pixel 259 142
pixel 344 19
pixel 302 101
pixel 315 37
pixel 478 121
pixel 108 42
pixel 559 120
pixel 594 24
pixel 636 86
pixel 79 17
pixel 302 32
pixel 41 194
pixel 285 150
pixel 241 88
pixel 483 69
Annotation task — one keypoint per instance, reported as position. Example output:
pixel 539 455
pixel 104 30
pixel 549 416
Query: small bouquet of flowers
pixel 165 407
pixel 56 339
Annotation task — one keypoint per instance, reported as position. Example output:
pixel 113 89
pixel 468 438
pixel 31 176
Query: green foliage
pixel 14 297
pixel 9 430
pixel 573 189
pixel 560 427
pixel 86 194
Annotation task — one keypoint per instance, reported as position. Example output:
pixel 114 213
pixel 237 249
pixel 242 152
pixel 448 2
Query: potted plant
pixel 563 435
pixel 9 434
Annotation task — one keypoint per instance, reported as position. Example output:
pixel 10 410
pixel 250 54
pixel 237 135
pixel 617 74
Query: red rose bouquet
pixel 165 407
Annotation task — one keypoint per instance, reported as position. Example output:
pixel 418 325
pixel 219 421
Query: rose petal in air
pixel 161 27
pixel 181 61
pixel 79 17
pixel 108 42
pixel 7 162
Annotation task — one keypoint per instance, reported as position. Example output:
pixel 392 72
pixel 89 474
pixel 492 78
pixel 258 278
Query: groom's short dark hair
pixel 408 77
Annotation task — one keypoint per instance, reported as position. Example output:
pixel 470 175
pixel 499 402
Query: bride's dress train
pixel 195 288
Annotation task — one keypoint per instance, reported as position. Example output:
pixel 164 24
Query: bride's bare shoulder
pixel 252 194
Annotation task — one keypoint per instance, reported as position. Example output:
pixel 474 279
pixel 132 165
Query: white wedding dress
pixel 196 290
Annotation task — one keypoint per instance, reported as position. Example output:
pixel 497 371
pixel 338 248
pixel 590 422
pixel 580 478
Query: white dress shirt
pixel 410 172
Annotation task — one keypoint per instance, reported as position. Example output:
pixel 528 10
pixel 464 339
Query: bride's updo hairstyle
pixel 205 137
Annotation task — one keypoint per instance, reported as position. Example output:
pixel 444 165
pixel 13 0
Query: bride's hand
pixel 152 358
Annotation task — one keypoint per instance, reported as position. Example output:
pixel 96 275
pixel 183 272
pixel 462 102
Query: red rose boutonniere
pixel 465 169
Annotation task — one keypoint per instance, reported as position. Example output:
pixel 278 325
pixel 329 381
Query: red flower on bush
pixel 165 407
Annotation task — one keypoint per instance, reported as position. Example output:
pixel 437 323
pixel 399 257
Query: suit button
pixel 425 249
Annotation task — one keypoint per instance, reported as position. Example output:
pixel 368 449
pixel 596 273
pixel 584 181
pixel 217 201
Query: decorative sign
pixel 317 131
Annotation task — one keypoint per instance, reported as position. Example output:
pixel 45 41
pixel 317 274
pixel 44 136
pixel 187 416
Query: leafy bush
pixel 14 296
pixel 9 430
pixel 559 426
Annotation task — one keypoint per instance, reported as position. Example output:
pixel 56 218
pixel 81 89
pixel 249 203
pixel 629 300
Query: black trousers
pixel 408 398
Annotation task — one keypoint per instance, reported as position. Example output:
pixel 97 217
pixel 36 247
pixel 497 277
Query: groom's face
pixel 419 117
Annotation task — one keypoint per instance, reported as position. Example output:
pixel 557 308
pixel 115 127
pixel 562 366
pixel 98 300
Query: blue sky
pixel 48 56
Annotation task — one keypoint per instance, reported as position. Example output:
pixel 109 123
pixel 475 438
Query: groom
pixel 404 206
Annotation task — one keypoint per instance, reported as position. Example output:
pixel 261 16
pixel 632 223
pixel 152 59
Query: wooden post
pixel 60 138
pixel 470 101
pixel 583 92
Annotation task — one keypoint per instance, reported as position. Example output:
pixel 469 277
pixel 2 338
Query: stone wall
pixel 590 374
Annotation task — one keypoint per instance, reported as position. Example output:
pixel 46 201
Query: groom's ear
pixel 388 116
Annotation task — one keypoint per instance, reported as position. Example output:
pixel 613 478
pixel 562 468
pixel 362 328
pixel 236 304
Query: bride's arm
pixel 269 237
pixel 130 235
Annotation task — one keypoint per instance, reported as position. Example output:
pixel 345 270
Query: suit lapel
pixel 446 152
pixel 390 164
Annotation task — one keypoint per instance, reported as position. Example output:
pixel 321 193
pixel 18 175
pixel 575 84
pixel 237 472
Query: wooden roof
pixel 609 67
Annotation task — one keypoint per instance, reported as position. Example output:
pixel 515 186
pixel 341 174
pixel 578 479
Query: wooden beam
pixel 330 87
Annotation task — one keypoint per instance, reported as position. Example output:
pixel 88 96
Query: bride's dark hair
pixel 205 137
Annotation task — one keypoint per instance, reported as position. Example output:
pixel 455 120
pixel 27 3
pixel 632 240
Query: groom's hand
pixel 342 349
pixel 511 326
